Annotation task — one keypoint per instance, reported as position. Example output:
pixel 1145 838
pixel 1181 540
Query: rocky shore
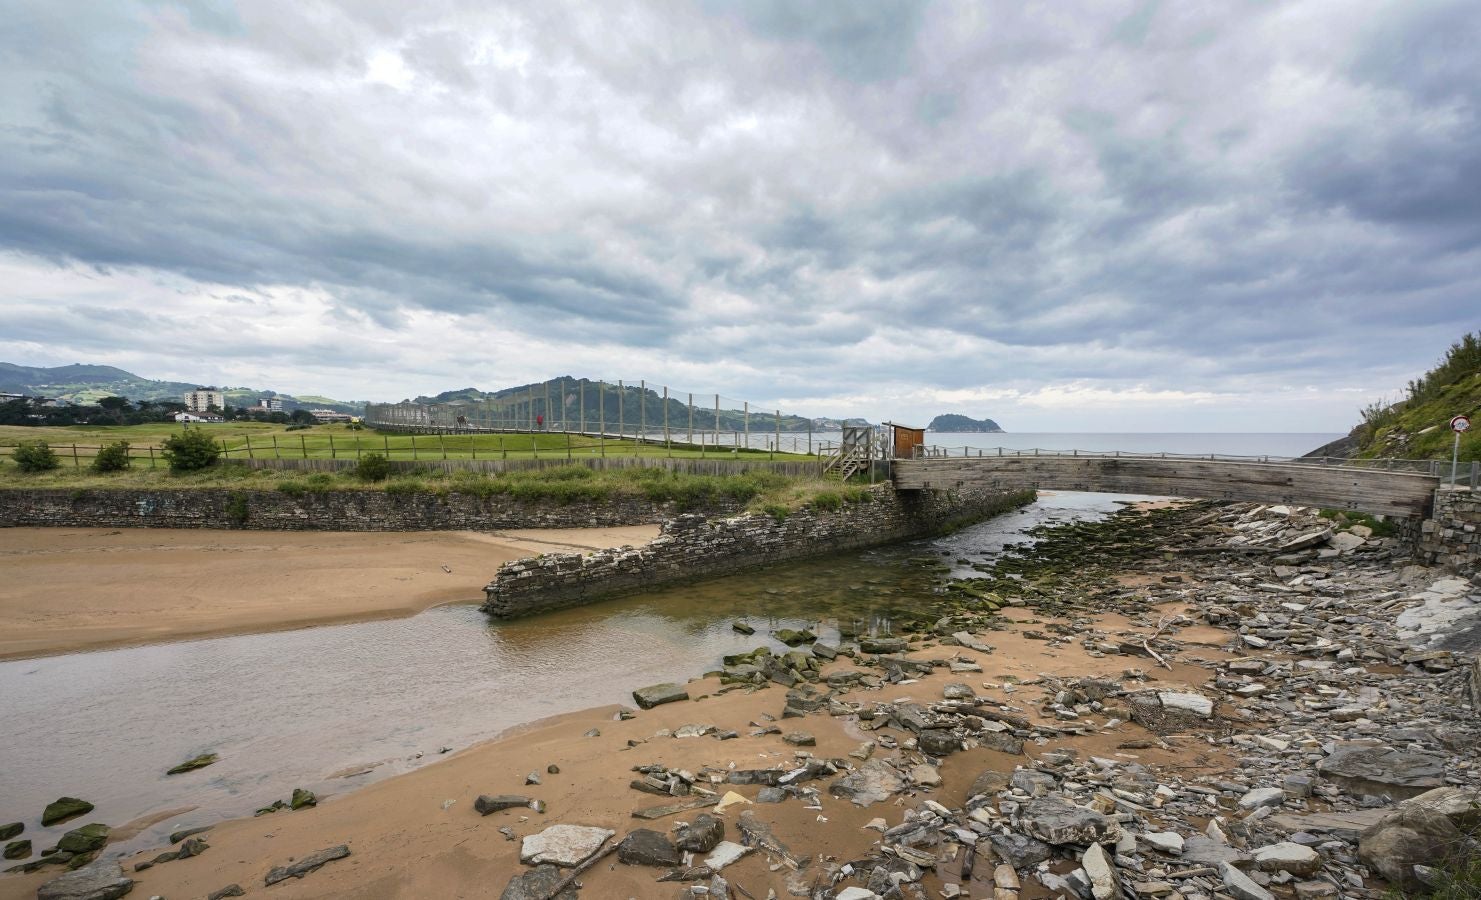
pixel 1194 702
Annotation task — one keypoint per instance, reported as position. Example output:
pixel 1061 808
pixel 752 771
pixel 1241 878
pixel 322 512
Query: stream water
pixel 305 708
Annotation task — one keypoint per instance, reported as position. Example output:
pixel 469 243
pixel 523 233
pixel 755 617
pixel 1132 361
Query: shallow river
pixel 304 708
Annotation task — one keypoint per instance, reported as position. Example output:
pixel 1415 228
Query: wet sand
pixel 417 835
pixel 69 589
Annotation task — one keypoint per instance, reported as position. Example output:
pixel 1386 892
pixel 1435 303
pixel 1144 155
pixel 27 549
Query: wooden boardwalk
pixel 1330 487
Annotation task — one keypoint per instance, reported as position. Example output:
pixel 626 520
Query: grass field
pixel 242 440
pixel 763 491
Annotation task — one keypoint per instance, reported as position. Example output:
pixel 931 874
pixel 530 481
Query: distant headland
pixel 951 422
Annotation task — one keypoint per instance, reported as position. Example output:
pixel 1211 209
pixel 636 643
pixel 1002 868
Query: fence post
pixel 303 445
pixel 75 463
pixel 150 448
pixel 443 444
pixel 1475 472
pixel 386 444
pixel 357 446
pixel 332 453
pixel 413 446
pixel 276 454
pixel 248 439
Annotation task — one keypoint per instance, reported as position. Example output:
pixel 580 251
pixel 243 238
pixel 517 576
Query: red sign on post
pixel 1460 423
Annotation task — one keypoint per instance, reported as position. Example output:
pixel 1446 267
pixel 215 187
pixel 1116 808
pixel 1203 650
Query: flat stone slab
pixel 725 853
pixel 103 880
pixel 656 694
pixel 1345 825
pixel 1240 886
pixel 563 845
pixel 1381 771
pixel 870 783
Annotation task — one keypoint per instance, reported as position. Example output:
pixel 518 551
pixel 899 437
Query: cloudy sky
pixel 1119 215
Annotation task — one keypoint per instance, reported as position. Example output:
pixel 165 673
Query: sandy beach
pixel 69 589
pixel 417 835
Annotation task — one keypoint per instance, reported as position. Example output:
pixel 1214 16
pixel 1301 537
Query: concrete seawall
pixel 692 547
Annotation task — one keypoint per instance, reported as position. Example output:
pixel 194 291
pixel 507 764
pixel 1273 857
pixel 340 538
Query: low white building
pixel 329 415
pixel 200 417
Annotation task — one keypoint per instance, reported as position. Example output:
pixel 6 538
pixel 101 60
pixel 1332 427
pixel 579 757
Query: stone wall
pixel 1451 537
pixel 327 511
pixel 692 547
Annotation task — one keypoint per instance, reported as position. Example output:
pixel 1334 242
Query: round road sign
pixel 1460 423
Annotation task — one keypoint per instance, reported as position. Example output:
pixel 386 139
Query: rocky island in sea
pixel 959 424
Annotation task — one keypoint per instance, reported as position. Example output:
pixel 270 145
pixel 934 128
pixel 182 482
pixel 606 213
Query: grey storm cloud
pixel 1128 193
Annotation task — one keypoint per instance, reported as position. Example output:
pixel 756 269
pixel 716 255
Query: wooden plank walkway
pixel 1330 487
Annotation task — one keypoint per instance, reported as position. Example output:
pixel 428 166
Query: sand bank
pixel 65 589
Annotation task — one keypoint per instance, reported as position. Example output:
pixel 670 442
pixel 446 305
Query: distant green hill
pixel 86 384
pixel 956 424
pixel 636 405
pixel 1417 427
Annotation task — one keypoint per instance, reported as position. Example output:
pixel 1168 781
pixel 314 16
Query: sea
pixel 1276 444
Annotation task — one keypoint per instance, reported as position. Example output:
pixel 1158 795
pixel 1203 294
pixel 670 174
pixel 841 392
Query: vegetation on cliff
pixel 1416 427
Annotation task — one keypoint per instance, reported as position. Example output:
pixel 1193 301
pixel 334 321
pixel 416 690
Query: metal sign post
pixel 1459 425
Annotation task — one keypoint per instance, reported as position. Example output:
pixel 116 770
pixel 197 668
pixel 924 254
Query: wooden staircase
pixel 854 454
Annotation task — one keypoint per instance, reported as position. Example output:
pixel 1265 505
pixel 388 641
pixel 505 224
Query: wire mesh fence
pixel 622 410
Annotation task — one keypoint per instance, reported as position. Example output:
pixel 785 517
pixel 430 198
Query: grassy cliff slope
pixel 1417 426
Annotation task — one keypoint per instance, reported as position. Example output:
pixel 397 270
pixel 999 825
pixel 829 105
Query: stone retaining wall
pixel 1451 536
pixel 692 547
pixel 328 511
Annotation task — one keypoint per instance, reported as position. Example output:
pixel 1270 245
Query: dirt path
pixel 68 589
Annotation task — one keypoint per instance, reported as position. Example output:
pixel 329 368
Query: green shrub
pixel 292 488
pixel 373 467
pixel 827 501
pixel 236 508
pixel 190 450
pixel 778 511
pixel 406 486
pixel 35 456
pixel 112 458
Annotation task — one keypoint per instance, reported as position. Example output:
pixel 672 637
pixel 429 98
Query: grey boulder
pixel 657 694
pixel 1057 821
pixel 1410 836
pixel 99 881
pixel 645 847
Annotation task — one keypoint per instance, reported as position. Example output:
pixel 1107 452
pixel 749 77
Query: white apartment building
pixel 269 404
pixel 202 399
